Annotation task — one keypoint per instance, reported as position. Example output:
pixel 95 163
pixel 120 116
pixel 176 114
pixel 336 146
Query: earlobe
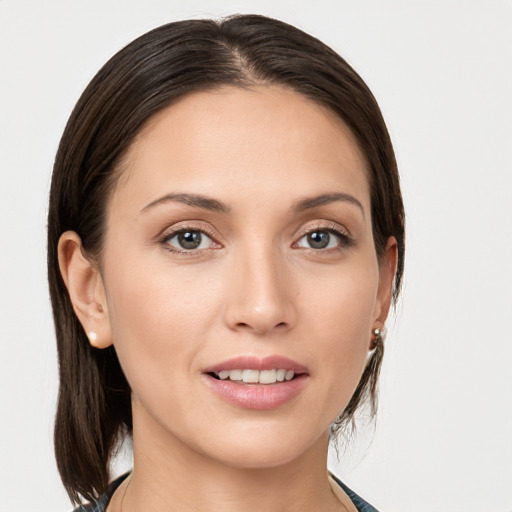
pixel 86 290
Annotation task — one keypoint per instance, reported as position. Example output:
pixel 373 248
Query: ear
pixel 86 290
pixel 387 271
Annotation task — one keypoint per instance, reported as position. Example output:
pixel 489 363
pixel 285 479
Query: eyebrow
pixel 197 200
pixel 208 203
pixel 323 199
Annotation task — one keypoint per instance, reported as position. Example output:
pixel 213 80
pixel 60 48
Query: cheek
pixel 341 309
pixel 158 319
pixel 343 301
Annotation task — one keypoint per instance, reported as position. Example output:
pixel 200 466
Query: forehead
pixel 244 143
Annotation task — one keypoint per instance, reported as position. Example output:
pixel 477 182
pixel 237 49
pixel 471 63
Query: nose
pixel 260 294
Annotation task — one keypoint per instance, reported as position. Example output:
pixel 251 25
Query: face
pixel 240 275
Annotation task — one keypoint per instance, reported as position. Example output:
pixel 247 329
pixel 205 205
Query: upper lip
pixel 250 362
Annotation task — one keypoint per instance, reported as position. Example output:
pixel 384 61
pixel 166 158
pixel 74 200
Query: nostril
pixel 261 329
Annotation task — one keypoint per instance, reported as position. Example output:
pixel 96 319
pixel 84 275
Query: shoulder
pixel 360 504
pixel 101 504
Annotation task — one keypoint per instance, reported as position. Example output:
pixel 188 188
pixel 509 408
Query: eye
pixel 188 240
pixel 323 239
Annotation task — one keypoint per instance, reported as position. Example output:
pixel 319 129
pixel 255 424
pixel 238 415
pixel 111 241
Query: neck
pixel 168 475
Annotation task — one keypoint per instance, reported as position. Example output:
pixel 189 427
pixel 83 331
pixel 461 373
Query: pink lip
pixel 256 363
pixel 257 396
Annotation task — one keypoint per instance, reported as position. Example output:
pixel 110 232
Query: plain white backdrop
pixel 442 73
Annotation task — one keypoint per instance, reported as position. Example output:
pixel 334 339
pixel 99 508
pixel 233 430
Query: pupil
pixel 189 239
pixel 318 239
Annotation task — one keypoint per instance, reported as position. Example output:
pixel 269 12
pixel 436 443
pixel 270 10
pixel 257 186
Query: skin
pixel 255 286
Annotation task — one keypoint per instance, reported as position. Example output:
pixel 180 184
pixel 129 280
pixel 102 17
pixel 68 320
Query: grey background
pixel 441 71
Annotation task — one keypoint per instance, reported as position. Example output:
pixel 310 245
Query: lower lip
pixel 257 396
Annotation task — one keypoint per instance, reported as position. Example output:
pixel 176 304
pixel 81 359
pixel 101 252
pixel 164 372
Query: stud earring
pixel 376 338
pixel 92 337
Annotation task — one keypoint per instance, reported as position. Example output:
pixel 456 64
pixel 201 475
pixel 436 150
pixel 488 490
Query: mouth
pixel 250 376
pixel 252 383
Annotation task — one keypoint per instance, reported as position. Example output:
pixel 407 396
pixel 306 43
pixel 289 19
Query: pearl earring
pixel 92 337
pixel 377 338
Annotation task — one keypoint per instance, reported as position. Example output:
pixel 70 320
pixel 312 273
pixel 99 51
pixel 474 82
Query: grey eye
pixel 189 239
pixel 320 239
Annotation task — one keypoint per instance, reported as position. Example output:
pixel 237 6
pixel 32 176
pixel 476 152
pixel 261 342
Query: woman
pixel 226 235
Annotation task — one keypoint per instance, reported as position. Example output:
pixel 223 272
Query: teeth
pixel 267 377
pixel 236 374
pixel 257 377
pixel 251 376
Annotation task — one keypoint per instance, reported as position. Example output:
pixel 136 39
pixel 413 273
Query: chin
pixel 264 449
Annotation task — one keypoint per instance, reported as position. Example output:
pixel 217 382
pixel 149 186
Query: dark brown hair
pixel 94 408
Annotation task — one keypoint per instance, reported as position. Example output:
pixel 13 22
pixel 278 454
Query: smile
pixel 255 376
pixel 249 382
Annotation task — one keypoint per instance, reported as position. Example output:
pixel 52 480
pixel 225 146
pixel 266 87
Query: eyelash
pixel 345 239
pixel 169 235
